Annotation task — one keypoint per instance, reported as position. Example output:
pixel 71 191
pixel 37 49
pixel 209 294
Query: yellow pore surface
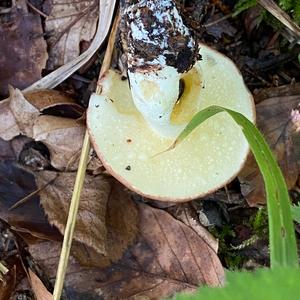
pixel 210 156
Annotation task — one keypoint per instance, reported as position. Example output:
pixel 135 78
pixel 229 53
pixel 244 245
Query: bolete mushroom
pixel 170 80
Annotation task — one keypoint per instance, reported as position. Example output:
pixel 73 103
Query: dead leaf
pixel 18 143
pixel 188 216
pixel 166 257
pixel 15 184
pixel 63 137
pixel 6 150
pixel 252 18
pixel 274 120
pixel 219 27
pixel 8 126
pixel 17 115
pixel 121 223
pixel 55 199
pixel 68 24
pixel 25 113
pixel 55 103
pixel 8 283
pixel 23 50
pixel 39 289
pixel 281 91
pixel 94 166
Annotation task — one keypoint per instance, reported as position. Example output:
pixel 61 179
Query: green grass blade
pixel 283 249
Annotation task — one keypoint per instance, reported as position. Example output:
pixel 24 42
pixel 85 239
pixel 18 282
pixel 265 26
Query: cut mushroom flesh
pixel 210 156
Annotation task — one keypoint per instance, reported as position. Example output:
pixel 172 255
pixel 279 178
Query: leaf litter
pixel 134 250
pixel 155 266
pixel 23 49
pixel 55 200
pixel 68 24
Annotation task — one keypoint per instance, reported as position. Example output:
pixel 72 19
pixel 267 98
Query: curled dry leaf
pixel 166 257
pixel 63 137
pixel 23 50
pixel 17 115
pixel 39 289
pixel 8 125
pixel 45 100
pixel 68 24
pixel 24 112
pixel 274 120
pixel 55 199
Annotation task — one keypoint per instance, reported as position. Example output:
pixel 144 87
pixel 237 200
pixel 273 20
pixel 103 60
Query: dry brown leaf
pixel 8 126
pixel 274 120
pixel 6 151
pixel 94 166
pixel 52 102
pixel 25 113
pixel 8 282
pixel 63 137
pixel 121 223
pixel 39 289
pixel 17 115
pixel 23 50
pixel 55 199
pixel 188 216
pixel 166 257
pixel 68 24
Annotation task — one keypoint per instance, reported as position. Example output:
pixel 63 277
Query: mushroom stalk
pixel 160 49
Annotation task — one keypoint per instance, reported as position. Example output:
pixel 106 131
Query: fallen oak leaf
pixel 39 289
pixel 55 199
pixel 63 137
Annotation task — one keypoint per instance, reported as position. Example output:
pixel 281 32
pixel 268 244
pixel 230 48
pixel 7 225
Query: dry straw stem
pixel 279 14
pixel 69 231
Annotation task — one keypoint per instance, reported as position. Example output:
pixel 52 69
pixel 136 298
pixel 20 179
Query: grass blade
pixel 283 249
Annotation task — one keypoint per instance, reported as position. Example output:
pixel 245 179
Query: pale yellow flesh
pixel 205 161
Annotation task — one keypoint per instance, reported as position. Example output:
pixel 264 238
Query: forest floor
pixel 40 140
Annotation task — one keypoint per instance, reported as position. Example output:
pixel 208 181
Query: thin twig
pixel 217 21
pixel 70 226
pixel 36 9
pixel 29 196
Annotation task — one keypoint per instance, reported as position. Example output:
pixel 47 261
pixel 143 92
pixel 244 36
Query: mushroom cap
pixel 206 160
